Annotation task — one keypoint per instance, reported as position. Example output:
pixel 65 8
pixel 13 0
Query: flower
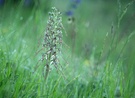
pixel 76 1
pixel 52 42
pixel 72 7
pixel 69 13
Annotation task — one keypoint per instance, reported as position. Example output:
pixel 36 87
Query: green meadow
pixel 96 59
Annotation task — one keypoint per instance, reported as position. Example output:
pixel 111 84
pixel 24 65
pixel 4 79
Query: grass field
pixel 97 56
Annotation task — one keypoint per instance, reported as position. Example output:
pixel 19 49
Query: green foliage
pixel 96 60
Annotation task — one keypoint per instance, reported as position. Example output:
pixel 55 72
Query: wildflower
pixel 52 40
pixel 69 13
pixel 73 6
pixel 76 1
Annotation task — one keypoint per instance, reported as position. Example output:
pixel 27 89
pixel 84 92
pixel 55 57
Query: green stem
pixel 47 71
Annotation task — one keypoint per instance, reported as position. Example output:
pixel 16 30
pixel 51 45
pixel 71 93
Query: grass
pixel 107 71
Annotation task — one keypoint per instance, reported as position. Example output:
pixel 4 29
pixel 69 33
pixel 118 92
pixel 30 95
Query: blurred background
pixel 98 33
pixel 92 26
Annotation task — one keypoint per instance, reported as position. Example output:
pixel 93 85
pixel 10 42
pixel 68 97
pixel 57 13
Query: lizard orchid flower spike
pixel 52 41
